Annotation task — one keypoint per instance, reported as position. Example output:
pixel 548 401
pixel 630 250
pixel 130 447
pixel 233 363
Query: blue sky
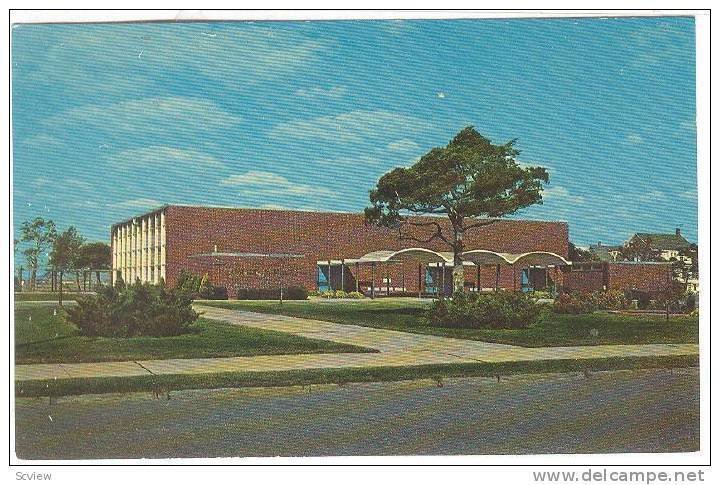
pixel 110 120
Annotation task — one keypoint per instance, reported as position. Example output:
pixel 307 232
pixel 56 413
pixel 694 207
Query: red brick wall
pixel 319 236
pixel 652 278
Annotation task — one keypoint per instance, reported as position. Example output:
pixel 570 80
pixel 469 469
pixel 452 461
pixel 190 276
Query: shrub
pixel 355 295
pixel 545 295
pixel 141 309
pixel 199 287
pixel 609 300
pixel 492 310
pixel 573 303
pixel 290 293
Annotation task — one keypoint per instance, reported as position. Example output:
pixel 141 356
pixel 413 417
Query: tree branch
pixel 480 224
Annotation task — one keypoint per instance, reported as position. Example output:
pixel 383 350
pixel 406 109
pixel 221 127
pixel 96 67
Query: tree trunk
pixel 97 275
pixel 77 280
pixel 458 272
pixel 60 301
pixel 33 277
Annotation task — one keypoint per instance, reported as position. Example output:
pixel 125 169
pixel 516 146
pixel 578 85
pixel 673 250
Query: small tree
pixel 470 181
pixel 39 234
pixel 97 256
pixel 65 250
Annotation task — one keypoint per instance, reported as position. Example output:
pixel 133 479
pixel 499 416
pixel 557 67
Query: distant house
pixel 605 253
pixel 666 246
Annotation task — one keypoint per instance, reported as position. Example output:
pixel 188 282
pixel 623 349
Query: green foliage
pixel 573 303
pixel 580 303
pixel 289 293
pixel 199 287
pixel 470 181
pixel 493 310
pixel 66 249
pixel 140 309
pixel 542 295
pixel 39 234
pixel 356 295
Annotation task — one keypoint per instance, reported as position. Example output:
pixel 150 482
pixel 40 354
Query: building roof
pixel 476 256
pixel 664 242
pixel 602 251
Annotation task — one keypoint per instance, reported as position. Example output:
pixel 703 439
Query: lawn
pixel 41 337
pixel 163 384
pixel 407 315
pixel 46 295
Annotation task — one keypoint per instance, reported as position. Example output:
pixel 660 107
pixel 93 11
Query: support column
pixel 387 279
pixel 143 246
pixel 357 277
pixel 497 278
pixel 156 261
pixel 442 291
pixel 420 280
pixel 163 247
pixel 477 285
pixel 372 284
pixel 342 275
pixel 329 274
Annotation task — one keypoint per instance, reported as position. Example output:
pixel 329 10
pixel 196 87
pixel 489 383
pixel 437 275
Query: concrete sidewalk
pixel 395 349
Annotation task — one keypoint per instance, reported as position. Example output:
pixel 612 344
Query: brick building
pixel 652 278
pixel 262 248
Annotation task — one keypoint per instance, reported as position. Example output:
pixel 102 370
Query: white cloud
pixel 634 138
pixel 171 117
pixel 353 126
pixel 403 145
pixel 268 183
pixel 162 160
pixel 562 194
pixel 319 92
pixel 141 203
pixel 106 58
pixel 689 194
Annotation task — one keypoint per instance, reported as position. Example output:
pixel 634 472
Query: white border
pixel 703 113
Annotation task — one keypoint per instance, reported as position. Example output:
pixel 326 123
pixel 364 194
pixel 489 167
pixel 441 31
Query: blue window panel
pixel 322 280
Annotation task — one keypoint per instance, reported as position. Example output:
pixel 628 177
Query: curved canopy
pixel 485 257
pixel 480 257
pixel 540 258
pixel 414 254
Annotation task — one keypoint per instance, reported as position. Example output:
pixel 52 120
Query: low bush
pixel 542 295
pixel 289 293
pixel 579 303
pixel 200 287
pixel 492 310
pixel 339 294
pixel 573 303
pixel 141 309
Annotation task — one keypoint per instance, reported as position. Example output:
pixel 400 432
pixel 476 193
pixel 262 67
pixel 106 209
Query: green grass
pixel 407 315
pixel 167 383
pixel 46 296
pixel 41 337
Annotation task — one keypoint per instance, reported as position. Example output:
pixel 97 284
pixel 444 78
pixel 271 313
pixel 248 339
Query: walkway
pixel 395 349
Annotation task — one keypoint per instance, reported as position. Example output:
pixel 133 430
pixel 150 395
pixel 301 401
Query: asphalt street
pixel 624 411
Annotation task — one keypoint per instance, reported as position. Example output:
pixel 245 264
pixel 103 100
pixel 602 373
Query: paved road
pixel 395 349
pixel 627 411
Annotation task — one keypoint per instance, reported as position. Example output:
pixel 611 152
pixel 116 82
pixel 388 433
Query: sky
pixel 111 120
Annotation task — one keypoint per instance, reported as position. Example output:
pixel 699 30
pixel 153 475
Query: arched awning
pixel 410 254
pixel 480 257
pixel 484 257
pixel 540 258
